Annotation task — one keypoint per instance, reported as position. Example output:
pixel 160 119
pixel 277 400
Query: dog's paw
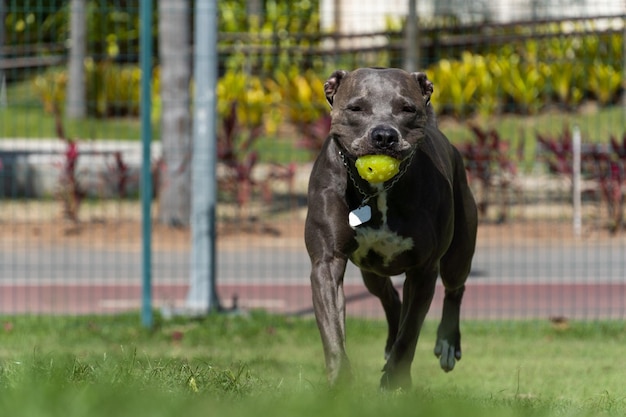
pixel 396 379
pixel 448 354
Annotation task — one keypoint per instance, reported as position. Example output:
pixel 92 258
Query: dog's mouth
pixel 377 170
pixel 400 152
pixel 382 140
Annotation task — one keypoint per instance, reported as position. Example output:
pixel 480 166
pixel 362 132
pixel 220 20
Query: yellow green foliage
pixel 250 98
pixel 604 82
pixel 51 89
pixel 302 98
pixel 111 89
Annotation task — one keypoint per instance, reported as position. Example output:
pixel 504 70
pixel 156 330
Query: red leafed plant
pixel 236 150
pixel 558 151
pixel 608 170
pixel 120 171
pixel 489 168
pixel 314 134
pixel 70 191
pixel 605 166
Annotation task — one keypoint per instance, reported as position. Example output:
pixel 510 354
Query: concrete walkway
pixel 32 167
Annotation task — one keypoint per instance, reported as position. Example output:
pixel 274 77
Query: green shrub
pixel 303 105
pixel 524 82
pixel 302 98
pixel 526 76
pixel 462 86
pixel 455 85
pixel 566 81
pixel 282 35
pixel 51 89
pixel 112 90
pixel 250 98
pixel 604 82
pixel 489 97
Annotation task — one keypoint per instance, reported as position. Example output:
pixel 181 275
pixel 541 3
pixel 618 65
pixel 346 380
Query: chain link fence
pixel 513 84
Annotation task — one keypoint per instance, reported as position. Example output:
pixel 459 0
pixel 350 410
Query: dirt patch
pixel 119 227
pixel 543 231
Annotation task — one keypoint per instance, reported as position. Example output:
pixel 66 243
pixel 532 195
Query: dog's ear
pixel 332 83
pixel 425 85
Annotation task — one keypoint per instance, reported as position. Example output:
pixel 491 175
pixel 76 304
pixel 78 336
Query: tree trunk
pixel 254 9
pixel 3 92
pixel 2 28
pixel 175 73
pixel 76 97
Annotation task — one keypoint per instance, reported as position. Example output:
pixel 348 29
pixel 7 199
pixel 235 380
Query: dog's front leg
pixel 330 313
pixel 418 291
pixel 382 287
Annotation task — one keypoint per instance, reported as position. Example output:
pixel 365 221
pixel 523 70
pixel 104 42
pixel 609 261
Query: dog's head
pixel 378 110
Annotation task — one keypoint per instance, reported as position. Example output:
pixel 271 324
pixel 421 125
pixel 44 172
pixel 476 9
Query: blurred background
pixel 517 85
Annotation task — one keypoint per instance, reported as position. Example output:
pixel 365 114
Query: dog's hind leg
pixel 455 268
pixel 417 294
pixel 448 345
pixel 382 287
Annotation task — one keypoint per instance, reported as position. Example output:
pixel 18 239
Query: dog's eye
pixel 409 108
pixel 354 108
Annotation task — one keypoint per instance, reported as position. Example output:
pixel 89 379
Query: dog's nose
pixel 384 137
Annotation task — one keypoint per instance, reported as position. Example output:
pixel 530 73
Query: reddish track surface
pixel 482 300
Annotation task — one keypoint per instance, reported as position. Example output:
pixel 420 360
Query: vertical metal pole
pixel 145 53
pixel 76 102
pixel 338 28
pixel 576 179
pixel 3 84
pixel 4 102
pixel 411 39
pixel 202 296
pixel 624 61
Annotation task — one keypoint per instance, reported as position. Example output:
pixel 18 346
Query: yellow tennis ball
pixel 377 168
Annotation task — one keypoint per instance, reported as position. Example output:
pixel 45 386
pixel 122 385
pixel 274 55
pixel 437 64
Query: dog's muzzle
pixel 384 137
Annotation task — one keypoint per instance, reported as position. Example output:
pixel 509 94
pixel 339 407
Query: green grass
pixel 32 122
pixel 24 117
pixel 270 365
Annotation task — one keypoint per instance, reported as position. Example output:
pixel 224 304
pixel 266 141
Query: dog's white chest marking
pixel 383 241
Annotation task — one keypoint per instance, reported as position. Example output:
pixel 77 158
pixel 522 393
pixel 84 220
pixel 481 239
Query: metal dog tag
pixel 359 216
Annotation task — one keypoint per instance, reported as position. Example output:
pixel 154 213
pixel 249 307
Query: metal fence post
pixel 576 179
pixel 411 39
pixel 76 102
pixel 146 175
pixel 202 295
pixel 3 85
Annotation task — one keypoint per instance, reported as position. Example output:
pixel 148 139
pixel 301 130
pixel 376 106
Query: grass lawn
pixel 24 117
pixel 265 365
pixel 31 122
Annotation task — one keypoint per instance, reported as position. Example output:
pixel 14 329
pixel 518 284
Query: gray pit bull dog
pixel 421 222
